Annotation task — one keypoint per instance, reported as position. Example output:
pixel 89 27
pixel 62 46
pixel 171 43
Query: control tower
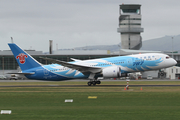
pixel 130 26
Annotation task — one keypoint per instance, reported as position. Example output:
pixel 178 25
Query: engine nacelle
pixel 112 72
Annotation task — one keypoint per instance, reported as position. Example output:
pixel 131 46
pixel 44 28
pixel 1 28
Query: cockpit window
pixel 167 57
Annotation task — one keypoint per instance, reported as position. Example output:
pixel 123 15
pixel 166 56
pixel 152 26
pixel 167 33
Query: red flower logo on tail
pixel 21 58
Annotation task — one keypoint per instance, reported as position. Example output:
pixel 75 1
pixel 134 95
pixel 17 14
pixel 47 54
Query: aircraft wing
pixel 81 68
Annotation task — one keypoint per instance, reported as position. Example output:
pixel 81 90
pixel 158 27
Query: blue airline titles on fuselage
pixel 91 69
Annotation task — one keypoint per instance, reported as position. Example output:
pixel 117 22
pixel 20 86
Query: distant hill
pixel 100 47
pixel 158 44
pixel 162 44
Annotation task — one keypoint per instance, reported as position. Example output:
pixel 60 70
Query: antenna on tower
pixel 11 39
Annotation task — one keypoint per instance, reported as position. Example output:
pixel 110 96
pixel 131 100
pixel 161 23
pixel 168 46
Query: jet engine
pixel 112 72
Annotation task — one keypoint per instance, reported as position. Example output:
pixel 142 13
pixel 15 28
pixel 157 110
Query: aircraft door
pixel 129 62
pixel 156 58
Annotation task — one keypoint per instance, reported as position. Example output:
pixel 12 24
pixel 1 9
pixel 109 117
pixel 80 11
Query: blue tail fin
pixel 24 60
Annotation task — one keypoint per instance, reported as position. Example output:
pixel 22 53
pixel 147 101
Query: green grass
pixel 112 103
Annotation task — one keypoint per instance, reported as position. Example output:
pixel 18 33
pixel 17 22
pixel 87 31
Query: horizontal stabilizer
pixel 23 73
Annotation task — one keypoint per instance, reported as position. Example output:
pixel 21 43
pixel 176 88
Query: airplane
pixel 110 67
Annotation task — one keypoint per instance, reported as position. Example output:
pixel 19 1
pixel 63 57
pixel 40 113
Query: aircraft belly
pixel 39 75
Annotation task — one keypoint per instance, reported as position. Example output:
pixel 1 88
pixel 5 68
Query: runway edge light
pixel 68 100
pixel 92 97
pixel 6 111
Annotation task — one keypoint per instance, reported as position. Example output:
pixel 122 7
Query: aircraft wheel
pixel 98 82
pixel 89 83
pixel 94 82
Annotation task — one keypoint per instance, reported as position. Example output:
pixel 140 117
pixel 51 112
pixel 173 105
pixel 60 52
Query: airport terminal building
pixel 8 63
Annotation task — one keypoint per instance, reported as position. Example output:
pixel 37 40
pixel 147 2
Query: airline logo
pixel 21 58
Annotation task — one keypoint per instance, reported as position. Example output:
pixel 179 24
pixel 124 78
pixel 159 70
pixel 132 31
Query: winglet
pixel 76 60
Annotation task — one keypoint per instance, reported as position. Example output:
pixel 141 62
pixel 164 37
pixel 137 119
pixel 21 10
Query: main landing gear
pixel 94 82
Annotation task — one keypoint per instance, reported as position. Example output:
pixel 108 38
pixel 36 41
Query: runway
pixel 51 84
pixel 89 86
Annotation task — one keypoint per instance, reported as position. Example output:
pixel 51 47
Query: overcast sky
pixel 77 23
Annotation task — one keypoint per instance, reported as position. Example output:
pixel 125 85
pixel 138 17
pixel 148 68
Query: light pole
pixel 3 64
pixel 172 47
pixel 11 39
pixel 119 49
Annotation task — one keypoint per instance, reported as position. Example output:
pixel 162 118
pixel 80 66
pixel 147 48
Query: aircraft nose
pixel 174 62
pixel 170 62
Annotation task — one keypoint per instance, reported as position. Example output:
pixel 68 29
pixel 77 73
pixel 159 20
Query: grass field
pixel 112 103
